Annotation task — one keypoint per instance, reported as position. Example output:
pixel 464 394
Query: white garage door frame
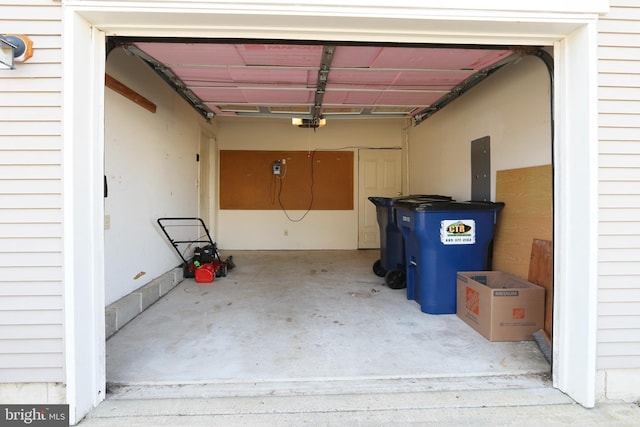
pixel 573 36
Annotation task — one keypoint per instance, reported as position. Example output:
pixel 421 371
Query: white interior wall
pixel 271 229
pixel 151 168
pixel 512 107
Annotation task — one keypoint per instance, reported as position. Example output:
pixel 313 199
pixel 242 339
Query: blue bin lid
pixel 448 205
pixel 390 201
pixel 381 201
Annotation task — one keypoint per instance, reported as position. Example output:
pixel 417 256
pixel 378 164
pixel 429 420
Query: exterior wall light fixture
pixel 14 48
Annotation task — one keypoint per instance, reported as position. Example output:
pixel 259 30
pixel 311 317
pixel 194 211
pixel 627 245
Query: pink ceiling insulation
pixel 436 58
pixel 280 55
pixel 185 54
pixel 402 80
pixel 255 96
pixel 367 77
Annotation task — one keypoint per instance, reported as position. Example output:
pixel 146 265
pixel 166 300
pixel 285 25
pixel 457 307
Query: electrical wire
pixel 311 154
pixel 272 189
pixel 284 210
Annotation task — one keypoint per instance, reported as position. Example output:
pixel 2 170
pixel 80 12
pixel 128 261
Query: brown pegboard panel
pixel 320 180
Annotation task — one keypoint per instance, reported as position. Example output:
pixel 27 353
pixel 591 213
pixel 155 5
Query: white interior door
pixel 379 174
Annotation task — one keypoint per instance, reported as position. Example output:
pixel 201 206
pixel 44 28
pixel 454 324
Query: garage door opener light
pixel 308 123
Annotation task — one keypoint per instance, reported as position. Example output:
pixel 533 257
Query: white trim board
pixel 83 148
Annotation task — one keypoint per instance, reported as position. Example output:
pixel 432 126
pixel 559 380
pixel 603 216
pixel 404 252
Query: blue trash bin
pixel 442 238
pixel 392 257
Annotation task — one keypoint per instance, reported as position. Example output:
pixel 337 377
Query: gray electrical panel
pixel 481 170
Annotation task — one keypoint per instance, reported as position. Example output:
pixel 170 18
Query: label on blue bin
pixel 458 232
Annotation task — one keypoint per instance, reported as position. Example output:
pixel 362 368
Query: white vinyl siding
pixel 31 288
pixel 619 187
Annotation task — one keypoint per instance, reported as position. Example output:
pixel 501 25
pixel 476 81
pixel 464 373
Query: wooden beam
pixel 129 93
pixel 541 273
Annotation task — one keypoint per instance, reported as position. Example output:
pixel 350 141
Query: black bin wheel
pixel 378 270
pixel 396 279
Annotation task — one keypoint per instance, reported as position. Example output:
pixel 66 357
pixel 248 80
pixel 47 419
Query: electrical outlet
pixel 107 222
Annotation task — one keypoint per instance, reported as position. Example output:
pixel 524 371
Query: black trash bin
pixel 442 238
pixel 391 264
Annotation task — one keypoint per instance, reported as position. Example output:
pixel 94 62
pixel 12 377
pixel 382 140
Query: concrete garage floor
pixel 314 338
pixel 300 322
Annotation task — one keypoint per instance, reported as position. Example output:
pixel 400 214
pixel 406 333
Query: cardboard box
pixel 500 306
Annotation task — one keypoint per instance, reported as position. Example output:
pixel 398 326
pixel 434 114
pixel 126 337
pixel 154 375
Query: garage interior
pixel 302 309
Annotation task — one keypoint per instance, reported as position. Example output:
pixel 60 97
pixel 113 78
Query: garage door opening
pixel 574 153
pixel 280 294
